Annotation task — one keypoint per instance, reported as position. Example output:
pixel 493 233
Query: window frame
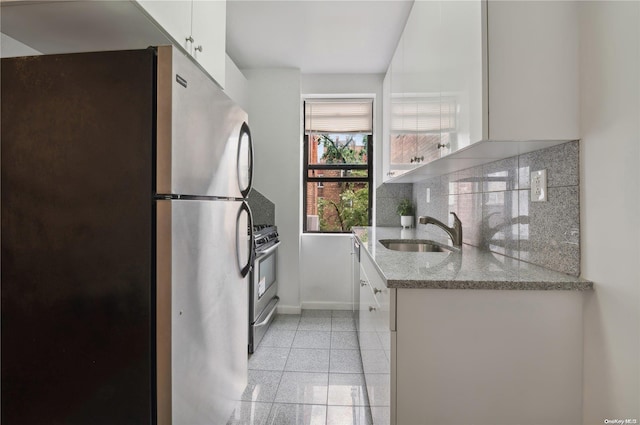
pixel 352 179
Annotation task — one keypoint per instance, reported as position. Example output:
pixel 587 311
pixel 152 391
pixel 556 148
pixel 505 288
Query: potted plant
pixel 405 210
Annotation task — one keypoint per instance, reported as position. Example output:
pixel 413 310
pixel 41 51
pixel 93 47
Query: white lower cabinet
pixel 374 335
pixel 454 357
pixel 488 357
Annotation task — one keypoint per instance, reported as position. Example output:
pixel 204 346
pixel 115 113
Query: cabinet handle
pixel 371 308
pixel 363 282
pixel 376 291
pixel 189 39
pixel 199 49
pixel 442 145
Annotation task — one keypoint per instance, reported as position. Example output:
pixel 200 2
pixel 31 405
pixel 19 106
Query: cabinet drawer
pixel 383 296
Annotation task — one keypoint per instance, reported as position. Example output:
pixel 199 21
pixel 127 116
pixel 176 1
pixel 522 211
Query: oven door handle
pixel 274 301
pixel 267 251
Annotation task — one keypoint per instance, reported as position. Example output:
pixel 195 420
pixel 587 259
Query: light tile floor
pixel 306 371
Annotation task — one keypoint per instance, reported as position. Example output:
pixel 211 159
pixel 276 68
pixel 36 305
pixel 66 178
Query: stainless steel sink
pixel 415 245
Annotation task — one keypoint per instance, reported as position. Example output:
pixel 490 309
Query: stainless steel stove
pixel 263 289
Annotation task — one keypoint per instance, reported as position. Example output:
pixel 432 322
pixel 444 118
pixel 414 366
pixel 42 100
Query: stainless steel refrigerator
pixel 126 241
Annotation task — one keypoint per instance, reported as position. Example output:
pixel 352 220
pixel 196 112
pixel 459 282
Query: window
pixel 338 164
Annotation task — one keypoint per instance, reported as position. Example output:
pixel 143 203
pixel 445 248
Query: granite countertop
pixel 466 268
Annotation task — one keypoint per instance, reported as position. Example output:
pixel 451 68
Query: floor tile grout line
pixel 366 406
pixel 281 375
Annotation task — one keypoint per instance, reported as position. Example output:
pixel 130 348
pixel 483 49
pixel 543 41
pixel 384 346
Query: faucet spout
pixel 455 232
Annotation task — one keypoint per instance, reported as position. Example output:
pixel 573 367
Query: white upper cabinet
pixel 533 70
pixel 209 33
pixel 173 16
pixel 479 71
pixel 197 26
pixel 461 73
pixel 51 27
pixel 415 94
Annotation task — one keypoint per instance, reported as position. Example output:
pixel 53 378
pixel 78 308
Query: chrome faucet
pixel 455 232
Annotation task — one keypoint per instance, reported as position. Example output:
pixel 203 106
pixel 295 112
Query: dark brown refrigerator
pixel 125 246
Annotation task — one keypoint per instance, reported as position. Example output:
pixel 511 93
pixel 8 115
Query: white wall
pixel 610 207
pixel 11 48
pixel 236 85
pixel 274 113
pixel 325 273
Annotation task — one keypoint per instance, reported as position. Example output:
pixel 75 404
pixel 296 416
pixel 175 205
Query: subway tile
pixel 560 161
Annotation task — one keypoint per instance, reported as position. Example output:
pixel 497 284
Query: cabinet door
pixel 173 16
pixel 375 347
pixel 209 35
pixel 367 336
pixel 398 156
pixel 461 74
pixel 533 67
pixel 415 121
pixel 386 123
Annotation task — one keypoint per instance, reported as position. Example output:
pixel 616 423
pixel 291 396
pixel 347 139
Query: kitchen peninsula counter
pixel 466 268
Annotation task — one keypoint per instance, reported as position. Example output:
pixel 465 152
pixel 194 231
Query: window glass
pixel 337 165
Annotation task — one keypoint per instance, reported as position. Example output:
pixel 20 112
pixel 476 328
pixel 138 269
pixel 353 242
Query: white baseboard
pixel 321 305
pixel 289 309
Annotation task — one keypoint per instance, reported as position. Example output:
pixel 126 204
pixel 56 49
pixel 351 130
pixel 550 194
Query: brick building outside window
pixel 338 165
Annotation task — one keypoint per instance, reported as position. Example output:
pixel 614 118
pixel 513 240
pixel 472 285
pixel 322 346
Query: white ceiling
pixel 316 36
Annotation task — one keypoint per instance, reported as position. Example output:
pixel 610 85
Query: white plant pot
pixel 406 220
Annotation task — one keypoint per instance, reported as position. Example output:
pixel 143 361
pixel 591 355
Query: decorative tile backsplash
pixel 494 205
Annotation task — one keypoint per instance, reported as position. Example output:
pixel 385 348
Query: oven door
pixel 264 297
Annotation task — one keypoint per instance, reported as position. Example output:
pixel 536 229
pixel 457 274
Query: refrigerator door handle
pixel 244 235
pixel 245 160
